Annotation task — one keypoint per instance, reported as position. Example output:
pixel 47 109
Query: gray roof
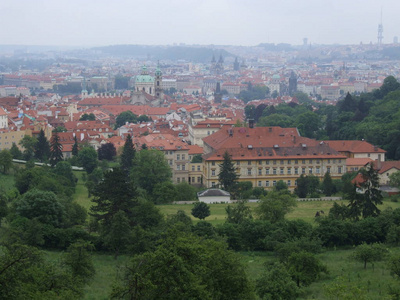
pixel 213 193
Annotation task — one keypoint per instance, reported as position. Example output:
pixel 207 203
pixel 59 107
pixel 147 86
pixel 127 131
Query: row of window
pixel 267 183
pixel 281 171
pixel 194 179
pixel 181 167
pixel 282 162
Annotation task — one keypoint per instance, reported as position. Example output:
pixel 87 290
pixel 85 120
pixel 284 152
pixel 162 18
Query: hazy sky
pixel 234 22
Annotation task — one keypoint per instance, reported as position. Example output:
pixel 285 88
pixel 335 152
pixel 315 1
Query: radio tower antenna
pixel 380 31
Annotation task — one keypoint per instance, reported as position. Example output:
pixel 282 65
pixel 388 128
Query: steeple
pixel 84 93
pixel 158 83
pixel 217 94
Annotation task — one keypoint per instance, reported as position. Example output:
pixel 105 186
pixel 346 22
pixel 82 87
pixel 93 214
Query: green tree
pixel 369 253
pixel 227 175
pixel 200 210
pixel 107 151
pixel 394 265
pixel 276 283
pixel 28 143
pixel 75 147
pixel 274 206
pixel 149 169
pixel 238 213
pixel 56 147
pixel 79 260
pixel 328 187
pixel 15 152
pixel 42 205
pixel 365 203
pixel 112 194
pixel 87 159
pixel 128 154
pixel 118 234
pixel 395 179
pixel 306 185
pixel 3 208
pixel 164 192
pixel 42 147
pixel 126 116
pixel 5 160
pixel 186 192
pixel 305 268
pixel 88 117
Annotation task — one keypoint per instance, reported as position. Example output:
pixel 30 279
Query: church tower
pixel 217 94
pixel 236 66
pixel 158 84
pixel 292 84
pixel 84 93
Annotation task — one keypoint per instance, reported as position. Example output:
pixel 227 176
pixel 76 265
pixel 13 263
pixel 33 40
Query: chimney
pixel 82 136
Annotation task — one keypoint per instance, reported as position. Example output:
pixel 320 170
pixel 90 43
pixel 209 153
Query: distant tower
pixel 84 93
pixel 219 67
pixel 292 84
pixel 213 64
pixel 217 94
pixel 380 32
pixel 158 83
pixel 236 66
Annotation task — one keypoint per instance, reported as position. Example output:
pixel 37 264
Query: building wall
pixel 266 173
pixel 384 177
pixel 373 156
pixel 7 138
pixel 178 160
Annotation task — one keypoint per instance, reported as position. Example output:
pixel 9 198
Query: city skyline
pixel 220 22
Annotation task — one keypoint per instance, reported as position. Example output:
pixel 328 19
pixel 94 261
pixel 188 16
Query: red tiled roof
pixel 354 146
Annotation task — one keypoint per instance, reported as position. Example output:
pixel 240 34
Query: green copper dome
pixel 144 76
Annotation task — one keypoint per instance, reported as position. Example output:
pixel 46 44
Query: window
pixel 282 162
pixel 267 183
pixel 198 179
pixel 274 171
pixel 303 161
pixel 259 183
pixel 260 162
pixel 303 170
pixel 328 169
pixel 213 163
pixel 310 171
pixel 289 171
pixel 192 168
pixel 289 162
pixel 318 162
pixel 178 180
pixel 183 179
pixel 310 161
pixel 178 167
pixel 193 179
pixel 170 162
pixel 178 157
pixel 208 132
pixel 339 170
pixel 267 171
pixel 198 168
pixel 274 183
pixel 296 162
pixel 296 171
pixel 274 162
pixel 183 156
pixel 340 161
pixel 329 161
pixel 183 167
pixel 249 163
pixel 248 171
pixel 289 183
pixel 267 162
pixel 212 172
pixel 281 171
pixel 295 183
pixel 334 161
pixel 213 184
pixel 238 163
pixel 259 171
pixel 317 170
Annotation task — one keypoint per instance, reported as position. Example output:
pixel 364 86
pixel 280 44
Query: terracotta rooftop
pixel 354 146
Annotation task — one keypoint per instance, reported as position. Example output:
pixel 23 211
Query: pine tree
pixel 328 187
pixel 128 154
pixel 56 154
pixel 42 147
pixel 75 149
pixel 227 175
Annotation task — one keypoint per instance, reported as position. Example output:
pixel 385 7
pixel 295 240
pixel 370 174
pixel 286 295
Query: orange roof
pixel 354 146
pixel 357 161
pixel 195 149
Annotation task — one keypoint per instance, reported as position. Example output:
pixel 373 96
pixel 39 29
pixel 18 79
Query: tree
pixel 56 154
pixel 305 268
pixel 227 175
pixel 365 203
pixel 369 253
pixel 185 192
pixel 149 169
pixel 28 143
pixel 112 194
pixel 328 187
pixel 75 148
pixel 276 283
pixel 79 260
pixel 125 117
pixel 128 154
pixel 87 159
pixel 107 151
pixel 238 213
pixel 395 179
pixel 274 206
pixel 118 234
pixel 5 160
pixel 164 192
pixel 42 147
pixel 15 152
pixel 200 210
pixel 88 117
pixel 42 205
pixel 394 265
pixel 306 185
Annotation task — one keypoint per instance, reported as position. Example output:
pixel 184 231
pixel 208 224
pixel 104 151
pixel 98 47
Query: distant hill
pixel 188 53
